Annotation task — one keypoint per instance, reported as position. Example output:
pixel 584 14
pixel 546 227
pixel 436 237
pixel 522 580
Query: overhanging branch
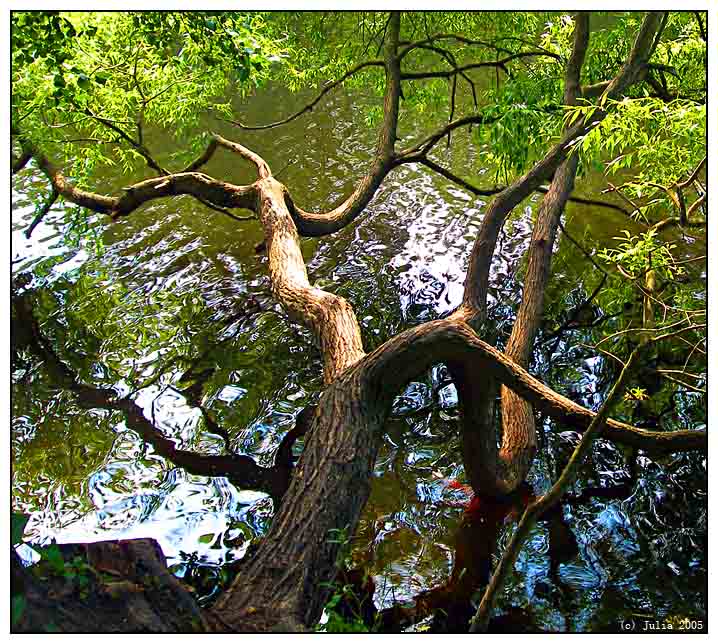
pixel 501 64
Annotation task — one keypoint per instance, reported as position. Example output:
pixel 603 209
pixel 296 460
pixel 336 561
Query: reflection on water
pixel 84 476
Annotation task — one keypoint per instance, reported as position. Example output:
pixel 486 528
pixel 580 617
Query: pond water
pixel 176 277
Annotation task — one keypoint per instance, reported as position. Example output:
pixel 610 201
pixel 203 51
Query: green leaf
pixel 17 608
pixel 206 538
pixel 17 527
pixel 53 556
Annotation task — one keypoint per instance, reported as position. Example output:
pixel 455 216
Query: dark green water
pixel 171 281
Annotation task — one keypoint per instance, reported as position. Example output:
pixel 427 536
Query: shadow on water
pixel 166 292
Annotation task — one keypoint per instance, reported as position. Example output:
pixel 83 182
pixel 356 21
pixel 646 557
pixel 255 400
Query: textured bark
pixel 197 184
pixel 477 393
pixel 284 587
pixel 330 317
pixel 286 583
pixel 517 417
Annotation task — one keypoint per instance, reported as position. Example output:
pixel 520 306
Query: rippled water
pixel 83 475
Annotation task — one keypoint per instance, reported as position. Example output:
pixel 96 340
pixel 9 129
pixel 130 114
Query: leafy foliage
pixel 104 79
pixel 336 622
pixel 662 141
pixel 638 254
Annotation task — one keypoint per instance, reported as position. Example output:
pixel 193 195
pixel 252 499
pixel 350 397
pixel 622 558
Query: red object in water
pixel 474 505
pixel 454 484
pixel 493 510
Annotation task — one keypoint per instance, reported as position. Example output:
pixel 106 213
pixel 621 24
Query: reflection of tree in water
pixel 285 584
pixel 449 606
pixel 475 543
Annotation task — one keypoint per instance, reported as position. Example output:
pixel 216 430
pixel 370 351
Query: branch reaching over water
pixel 477 279
pixel 197 184
pixel 317 224
pixel 517 418
pixel 487 192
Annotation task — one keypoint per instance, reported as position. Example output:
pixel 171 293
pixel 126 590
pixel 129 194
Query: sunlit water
pixel 84 476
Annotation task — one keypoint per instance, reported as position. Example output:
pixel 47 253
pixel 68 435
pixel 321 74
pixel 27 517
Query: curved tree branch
pixel 485 192
pixel 539 507
pixel 202 186
pixel 424 147
pixel 316 224
pixel 517 418
pixel 285 585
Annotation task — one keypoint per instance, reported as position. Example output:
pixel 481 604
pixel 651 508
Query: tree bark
pixel 286 584
pixel 517 417
pixel 477 394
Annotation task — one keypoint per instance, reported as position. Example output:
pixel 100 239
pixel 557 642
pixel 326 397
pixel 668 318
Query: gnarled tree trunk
pixel 285 584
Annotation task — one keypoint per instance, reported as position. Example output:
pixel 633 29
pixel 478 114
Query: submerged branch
pixel 241 470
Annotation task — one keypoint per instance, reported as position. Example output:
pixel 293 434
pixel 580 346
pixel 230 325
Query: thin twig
pixel 539 507
pixel 685 384
pixel 45 209
pixel 310 106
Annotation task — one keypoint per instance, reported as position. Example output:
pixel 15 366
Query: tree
pixel 565 109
